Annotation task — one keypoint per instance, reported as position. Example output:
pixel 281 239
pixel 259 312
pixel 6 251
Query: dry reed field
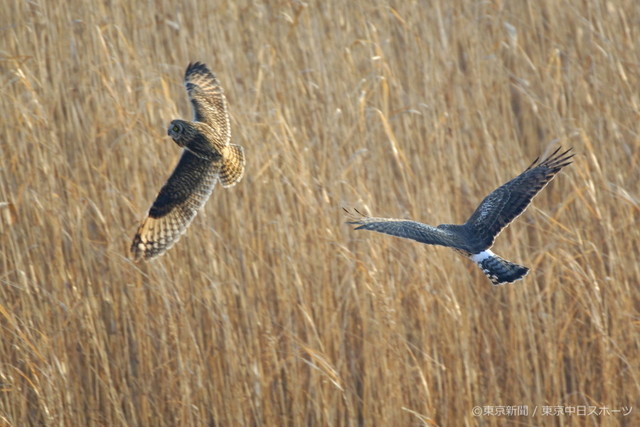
pixel 271 310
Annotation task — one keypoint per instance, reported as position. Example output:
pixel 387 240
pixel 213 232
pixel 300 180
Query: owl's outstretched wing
pixel 408 229
pixel 207 99
pixel 186 191
pixel 505 203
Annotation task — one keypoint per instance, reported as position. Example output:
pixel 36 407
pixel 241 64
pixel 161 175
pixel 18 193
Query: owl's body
pixel 208 157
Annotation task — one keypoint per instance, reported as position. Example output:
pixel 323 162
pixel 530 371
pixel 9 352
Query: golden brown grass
pixel 271 311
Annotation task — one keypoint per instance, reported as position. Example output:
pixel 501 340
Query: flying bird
pixel 208 157
pixel 475 237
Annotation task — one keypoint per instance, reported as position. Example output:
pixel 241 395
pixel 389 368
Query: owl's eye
pixel 176 128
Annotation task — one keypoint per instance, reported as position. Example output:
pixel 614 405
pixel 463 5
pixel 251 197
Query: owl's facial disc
pixel 176 131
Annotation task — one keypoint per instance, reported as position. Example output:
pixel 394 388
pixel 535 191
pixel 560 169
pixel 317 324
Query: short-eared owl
pixel 474 238
pixel 207 157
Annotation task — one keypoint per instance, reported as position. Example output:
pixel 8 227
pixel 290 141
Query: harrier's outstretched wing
pixel 186 191
pixel 505 203
pixel 407 229
pixel 207 99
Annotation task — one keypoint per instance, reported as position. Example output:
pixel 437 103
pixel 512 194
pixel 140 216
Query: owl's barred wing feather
pixel 207 99
pixel 407 229
pixel 186 191
pixel 507 202
pixel 232 167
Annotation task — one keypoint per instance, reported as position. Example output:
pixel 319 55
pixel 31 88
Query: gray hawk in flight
pixel 475 237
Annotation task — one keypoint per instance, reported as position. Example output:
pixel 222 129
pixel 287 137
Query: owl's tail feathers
pixel 232 166
pixel 498 270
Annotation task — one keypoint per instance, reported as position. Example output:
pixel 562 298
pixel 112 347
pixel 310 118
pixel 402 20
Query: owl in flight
pixel 475 237
pixel 207 157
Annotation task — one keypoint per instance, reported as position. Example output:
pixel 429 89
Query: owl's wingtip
pixel 137 250
pixel 197 66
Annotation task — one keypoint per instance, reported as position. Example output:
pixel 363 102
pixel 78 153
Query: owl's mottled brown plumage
pixel 476 236
pixel 208 157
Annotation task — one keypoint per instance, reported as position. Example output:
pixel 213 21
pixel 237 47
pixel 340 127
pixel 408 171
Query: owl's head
pixel 196 137
pixel 181 132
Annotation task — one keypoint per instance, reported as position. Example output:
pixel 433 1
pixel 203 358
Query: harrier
pixel 475 237
pixel 208 157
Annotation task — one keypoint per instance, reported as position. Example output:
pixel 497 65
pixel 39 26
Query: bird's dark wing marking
pixel 186 191
pixel 504 204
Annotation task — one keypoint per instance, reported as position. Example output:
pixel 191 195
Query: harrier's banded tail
pixel 498 270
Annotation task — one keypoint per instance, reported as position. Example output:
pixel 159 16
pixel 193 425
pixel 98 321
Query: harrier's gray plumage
pixel 476 236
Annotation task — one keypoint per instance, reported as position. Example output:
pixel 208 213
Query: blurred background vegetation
pixel 280 314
